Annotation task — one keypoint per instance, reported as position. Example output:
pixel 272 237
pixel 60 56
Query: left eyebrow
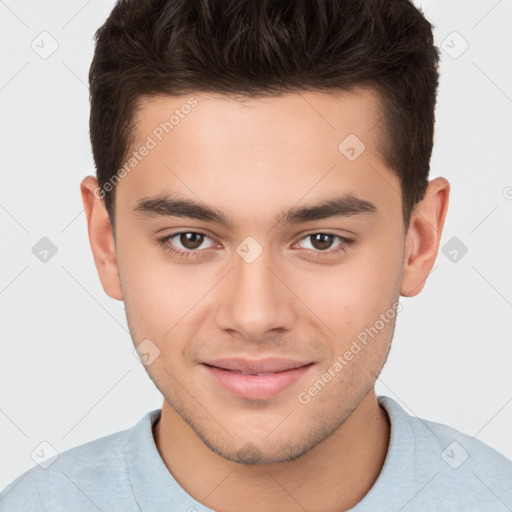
pixel 342 206
pixel 165 206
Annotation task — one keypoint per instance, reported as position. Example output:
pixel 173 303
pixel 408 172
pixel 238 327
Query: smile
pixel 256 380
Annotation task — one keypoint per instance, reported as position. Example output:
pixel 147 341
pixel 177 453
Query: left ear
pixel 423 236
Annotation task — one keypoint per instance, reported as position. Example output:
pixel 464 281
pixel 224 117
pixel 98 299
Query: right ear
pixel 101 237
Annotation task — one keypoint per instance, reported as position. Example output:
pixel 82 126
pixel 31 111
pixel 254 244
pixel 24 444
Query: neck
pixel 335 475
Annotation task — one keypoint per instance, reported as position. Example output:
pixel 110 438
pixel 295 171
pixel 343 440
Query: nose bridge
pixel 255 300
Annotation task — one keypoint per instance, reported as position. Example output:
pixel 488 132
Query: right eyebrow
pixel 163 206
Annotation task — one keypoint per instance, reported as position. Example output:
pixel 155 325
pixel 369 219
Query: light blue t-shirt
pixel 428 467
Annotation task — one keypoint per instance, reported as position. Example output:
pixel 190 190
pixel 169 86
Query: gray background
pixel 67 370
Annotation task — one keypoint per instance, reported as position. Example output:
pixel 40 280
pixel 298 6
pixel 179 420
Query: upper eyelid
pixel 172 235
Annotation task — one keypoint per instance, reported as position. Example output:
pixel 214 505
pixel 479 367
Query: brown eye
pixel 322 241
pixel 191 240
pixel 186 243
pixel 321 244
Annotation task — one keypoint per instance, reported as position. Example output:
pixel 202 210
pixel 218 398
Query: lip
pixel 256 379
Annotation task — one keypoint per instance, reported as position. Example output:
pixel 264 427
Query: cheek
pixel 351 296
pixel 165 303
pixel 155 294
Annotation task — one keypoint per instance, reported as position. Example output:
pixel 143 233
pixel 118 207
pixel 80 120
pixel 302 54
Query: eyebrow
pixel 167 206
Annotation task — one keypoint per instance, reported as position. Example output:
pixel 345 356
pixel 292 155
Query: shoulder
pixel 458 451
pixel 90 476
pixel 446 466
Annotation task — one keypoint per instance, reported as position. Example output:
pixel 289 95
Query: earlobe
pixel 423 236
pixel 101 237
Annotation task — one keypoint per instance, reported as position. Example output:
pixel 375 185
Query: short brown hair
pixel 267 47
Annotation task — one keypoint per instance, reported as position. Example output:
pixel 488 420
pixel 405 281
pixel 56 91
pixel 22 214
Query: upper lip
pixel 267 365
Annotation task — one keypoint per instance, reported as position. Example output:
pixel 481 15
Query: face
pixel 252 300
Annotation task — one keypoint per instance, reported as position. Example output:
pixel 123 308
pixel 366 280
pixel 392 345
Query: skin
pixel 254 160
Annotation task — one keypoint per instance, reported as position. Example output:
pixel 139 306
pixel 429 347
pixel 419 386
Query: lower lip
pixel 256 387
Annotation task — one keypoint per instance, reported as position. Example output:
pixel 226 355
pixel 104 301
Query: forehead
pixel 262 153
pixel 309 115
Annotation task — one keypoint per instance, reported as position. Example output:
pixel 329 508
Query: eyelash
pixel 345 243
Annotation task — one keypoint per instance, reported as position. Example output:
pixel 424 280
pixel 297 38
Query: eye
pixel 321 243
pixel 184 243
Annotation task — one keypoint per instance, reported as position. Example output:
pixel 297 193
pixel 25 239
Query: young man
pixel 261 203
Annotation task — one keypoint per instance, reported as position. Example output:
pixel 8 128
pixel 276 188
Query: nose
pixel 256 302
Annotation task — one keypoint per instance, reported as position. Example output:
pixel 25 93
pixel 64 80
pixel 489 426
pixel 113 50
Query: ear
pixel 101 237
pixel 423 236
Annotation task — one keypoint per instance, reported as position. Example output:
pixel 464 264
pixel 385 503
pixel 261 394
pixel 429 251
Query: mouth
pixel 256 380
